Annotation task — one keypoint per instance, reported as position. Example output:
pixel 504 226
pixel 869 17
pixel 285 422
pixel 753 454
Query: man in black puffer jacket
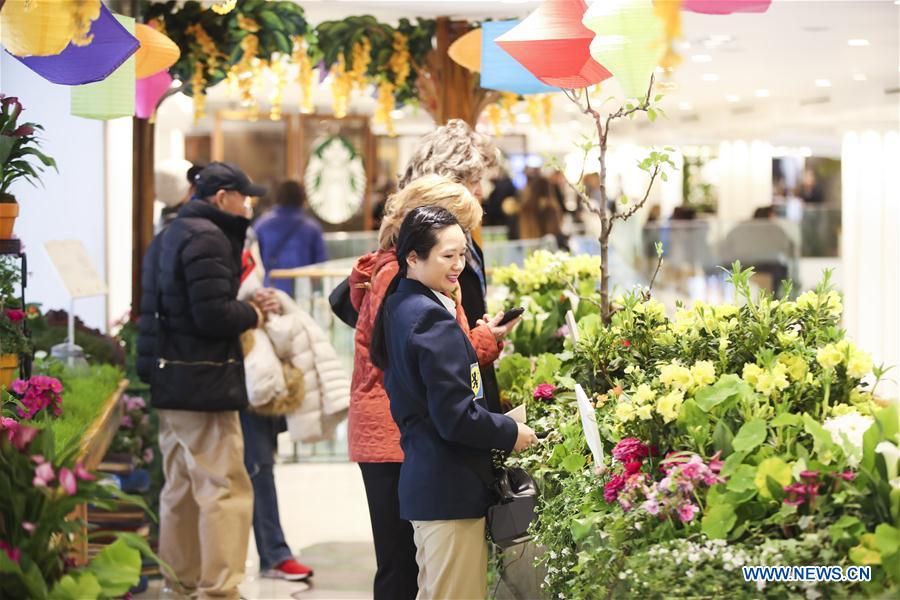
pixel 189 351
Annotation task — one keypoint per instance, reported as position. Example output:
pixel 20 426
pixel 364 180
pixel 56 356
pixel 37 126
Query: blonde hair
pixel 453 150
pixel 427 191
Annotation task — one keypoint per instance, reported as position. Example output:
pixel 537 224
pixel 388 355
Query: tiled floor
pixel 324 515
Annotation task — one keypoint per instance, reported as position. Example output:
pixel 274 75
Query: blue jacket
pixel 437 399
pixel 288 239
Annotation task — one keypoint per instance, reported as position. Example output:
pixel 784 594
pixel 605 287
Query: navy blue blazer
pixel 437 399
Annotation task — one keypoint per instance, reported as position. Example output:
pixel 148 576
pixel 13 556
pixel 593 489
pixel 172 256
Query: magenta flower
pixel 13 553
pixel 795 501
pixel 809 475
pixel 127 422
pixel 43 475
pixel 67 481
pixel 629 449
pixel 82 473
pixel 29 526
pixel 613 487
pixel 544 391
pixel 686 512
pixel 15 315
pixel 24 436
pixel 633 467
pixel 38 393
pixel 846 475
pixel 133 403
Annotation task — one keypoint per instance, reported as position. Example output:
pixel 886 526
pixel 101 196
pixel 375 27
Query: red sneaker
pixel 289 569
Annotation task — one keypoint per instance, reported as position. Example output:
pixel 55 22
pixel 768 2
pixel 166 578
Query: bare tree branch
pixel 627 215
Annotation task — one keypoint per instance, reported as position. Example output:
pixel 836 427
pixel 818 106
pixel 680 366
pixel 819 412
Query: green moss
pixel 86 391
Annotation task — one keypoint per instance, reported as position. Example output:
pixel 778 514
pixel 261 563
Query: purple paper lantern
pixel 78 65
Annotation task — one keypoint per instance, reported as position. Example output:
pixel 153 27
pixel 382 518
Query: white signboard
pixel 75 268
pixel 589 423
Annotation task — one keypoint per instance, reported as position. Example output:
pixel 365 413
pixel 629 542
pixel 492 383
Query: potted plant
pixel 13 343
pixel 18 142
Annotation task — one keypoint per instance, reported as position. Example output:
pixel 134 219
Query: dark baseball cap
pixel 225 176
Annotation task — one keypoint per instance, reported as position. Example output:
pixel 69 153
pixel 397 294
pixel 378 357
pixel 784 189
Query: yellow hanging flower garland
pixel 399 62
pixel 547 105
pixel 495 116
pixel 198 84
pixel 278 70
pixel 300 57
pixel 361 57
pixel 385 105
pixel 341 86
pixel 508 100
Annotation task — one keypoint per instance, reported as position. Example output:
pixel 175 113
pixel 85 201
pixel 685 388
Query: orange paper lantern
pixel 554 45
pixel 466 50
pixel 157 51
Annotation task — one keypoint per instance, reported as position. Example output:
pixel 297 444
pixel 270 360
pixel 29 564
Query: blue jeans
pixel 260 444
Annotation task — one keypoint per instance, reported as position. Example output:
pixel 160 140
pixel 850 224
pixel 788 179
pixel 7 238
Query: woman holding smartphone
pixel 433 381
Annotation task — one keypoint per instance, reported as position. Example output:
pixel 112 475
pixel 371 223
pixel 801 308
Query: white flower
pixel 847 432
pixel 891 455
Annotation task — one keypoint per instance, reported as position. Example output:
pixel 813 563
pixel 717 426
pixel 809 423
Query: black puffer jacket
pixel 189 349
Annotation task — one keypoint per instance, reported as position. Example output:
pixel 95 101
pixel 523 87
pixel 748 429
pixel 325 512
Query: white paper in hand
pixel 517 414
pixel 589 423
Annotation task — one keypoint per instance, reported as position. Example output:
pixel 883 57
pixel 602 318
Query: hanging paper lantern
pixel 499 70
pixel 629 42
pixel 157 51
pixel 111 45
pixel 466 50
pixel 45 27
pixel 554 46
pixel 148 91
pixel 726 7
pixel 114 96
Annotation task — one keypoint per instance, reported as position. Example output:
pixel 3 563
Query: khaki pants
pixel 206 504
pixel 452 559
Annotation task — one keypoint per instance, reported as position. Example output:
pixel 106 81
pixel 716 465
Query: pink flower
pixel 133 403
pixel 29 526
pixel 38 459
pixel 544 391
pixel 846 475
pixel 15 315
pixel 82 473
pixel 23 130
pixel 651 506
pixel 13 553
pixel 19 386
pixel 43 475
pixel 148 455
pixel 633 467
pixel 563 331
pixel 809 475
pixel 24 436
pixel 795 488
pixel 629 449
pixel 67 481
pixel 613 487
pixel 686 512
pixel 127 422
pixel 794 502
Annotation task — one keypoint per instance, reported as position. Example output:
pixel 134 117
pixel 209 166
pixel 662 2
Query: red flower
pixel 15 315
pixel 629 449
pixel 613 487
pixel 633 467
pixel 23 130
pixel 13 553
pixel 544 391
pixel 625 343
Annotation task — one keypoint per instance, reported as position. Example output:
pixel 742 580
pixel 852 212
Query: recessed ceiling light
pixel 685 105
pixel 733 98
pixel 859 77
pixel 857 42
pixel 709 77
pixel 823 83
pixel 762 93
pixel 701 58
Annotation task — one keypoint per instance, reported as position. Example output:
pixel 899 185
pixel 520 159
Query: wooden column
pixel 142 205
pixel 458 93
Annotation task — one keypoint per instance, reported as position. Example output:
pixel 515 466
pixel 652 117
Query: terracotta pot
pixel 8 365
pixel 8 213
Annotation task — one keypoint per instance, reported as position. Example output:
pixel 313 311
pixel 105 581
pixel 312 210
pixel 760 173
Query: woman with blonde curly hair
pixel 374 437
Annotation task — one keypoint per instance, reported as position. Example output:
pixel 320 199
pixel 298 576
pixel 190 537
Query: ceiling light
pixel 709 77
pixel 685 105
pixel 859 77
pixel 823 83
pixel 701 58
pixel 523 118
pixel 733 98
pixel 857 42
pixel 762 93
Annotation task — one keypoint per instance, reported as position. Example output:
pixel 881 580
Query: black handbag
pixel 513 509
pixel 341 306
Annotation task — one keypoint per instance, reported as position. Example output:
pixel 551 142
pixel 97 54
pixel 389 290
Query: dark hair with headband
pixel 418 233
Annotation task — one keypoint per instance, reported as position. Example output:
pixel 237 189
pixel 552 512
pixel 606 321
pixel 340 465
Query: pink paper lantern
pixel 148 91
pixel 554 45
pixel 726 7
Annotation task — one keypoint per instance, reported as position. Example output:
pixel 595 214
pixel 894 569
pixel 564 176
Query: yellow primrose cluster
pixel 830 301
pixel 766 381
pixel 717 319
pixel 677 380
pixel 652 308
pixel 544 269
pixel 857 361
pixel 300 57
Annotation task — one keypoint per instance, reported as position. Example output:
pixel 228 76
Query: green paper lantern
pixel 114 96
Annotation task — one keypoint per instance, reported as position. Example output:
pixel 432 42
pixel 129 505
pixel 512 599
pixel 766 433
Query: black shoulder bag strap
pixel 279 248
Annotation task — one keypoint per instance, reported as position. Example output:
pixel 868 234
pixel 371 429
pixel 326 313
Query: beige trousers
pixel 452 559
pixel 206 504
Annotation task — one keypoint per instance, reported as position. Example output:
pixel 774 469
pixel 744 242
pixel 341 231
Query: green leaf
pixel 773 469
pixel 574 463
pixel 718 521
pixel 117 568
pixel 270 20
pixel 732 463
pixel 785 419
pixel 887 539
pixel 742 479
pixel 77 586
pixel 722 438
pixel 751 435
pixel 651 114
pixel 823 444
pixel 581 527
pixel 727 387
pixel 866 553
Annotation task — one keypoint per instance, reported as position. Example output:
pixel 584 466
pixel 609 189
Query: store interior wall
pixel 66 205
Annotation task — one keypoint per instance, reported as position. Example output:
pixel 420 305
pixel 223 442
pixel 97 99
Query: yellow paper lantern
pixel 466 50
pixel 629 41
pixel 157 51
pixel 45 27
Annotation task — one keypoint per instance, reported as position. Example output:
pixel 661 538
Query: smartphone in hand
pixel 509 315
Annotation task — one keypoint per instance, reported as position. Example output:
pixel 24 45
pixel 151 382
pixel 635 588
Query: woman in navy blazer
pixel 433 381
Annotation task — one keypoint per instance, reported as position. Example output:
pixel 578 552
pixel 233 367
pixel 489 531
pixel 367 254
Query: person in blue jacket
pixel 433 381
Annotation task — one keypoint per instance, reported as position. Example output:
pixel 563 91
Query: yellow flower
pixel 788 337
pixel 703 373
pixel 860 364
pixel 675 376
pixel 765 383
pixel 751 373
pixel 780 376
pixel 669 405
pixel 829 356
pixel 723 343
pixel 625 411
pixel 652 308
pixel 833 303
pixel 645 412
pixel 807 300
pixel 796 366
pixel 725 311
